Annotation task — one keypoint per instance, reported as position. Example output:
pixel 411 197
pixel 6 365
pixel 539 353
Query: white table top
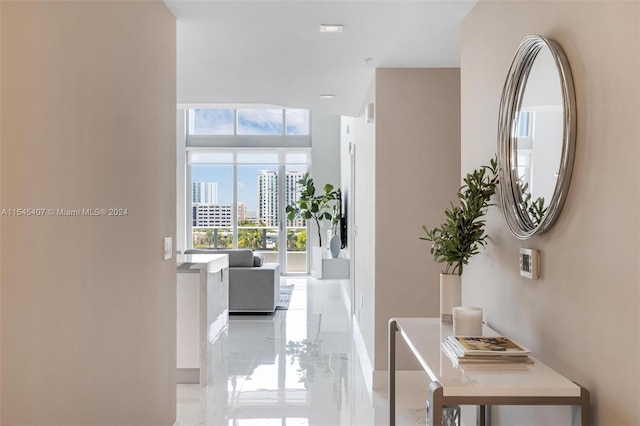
pixel 424 335
pixel 213 262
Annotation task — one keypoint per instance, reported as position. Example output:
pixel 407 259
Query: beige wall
pixel 583 316
pixel 417 174
pixel 88 304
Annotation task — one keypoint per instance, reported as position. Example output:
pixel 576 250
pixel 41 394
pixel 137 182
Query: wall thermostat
pixel 529 260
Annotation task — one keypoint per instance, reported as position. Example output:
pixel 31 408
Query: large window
pixel 238 200
pixel 243 167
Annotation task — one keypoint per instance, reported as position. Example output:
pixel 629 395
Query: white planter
pixel 316 261
pixel 450 296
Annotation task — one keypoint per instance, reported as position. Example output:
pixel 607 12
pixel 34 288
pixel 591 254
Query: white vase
pixel 450 296
pixel 334 246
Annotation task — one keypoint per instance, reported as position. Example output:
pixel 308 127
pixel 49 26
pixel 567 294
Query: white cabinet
pixel 202 296
pixel 188 324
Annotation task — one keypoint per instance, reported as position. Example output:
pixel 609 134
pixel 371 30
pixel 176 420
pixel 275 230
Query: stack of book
pixel 471 349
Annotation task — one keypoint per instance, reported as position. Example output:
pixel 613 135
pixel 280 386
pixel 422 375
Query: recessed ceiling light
pixel 328 96
pixel 331 28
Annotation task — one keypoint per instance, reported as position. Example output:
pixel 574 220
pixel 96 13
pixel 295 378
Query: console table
pixel 477 384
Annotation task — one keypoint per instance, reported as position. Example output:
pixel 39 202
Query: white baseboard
pixel 363 356
pixel 358 341
pixel 378 379
pixel 345 295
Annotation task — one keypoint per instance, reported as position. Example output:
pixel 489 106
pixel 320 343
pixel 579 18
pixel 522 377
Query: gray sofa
pixel 253 286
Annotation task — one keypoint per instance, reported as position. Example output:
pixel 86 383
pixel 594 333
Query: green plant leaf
pixel 460 236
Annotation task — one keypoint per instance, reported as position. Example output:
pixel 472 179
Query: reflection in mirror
pixel 536 208
pixel 539 135
pixel 536 136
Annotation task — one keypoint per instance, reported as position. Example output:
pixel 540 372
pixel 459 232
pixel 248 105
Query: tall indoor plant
pixel 462 234
pixel 317 207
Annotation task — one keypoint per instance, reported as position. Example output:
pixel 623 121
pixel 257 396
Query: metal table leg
pixel 434 417
pixel 391 371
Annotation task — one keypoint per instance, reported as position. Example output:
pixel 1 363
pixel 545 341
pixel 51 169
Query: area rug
pixel 285 296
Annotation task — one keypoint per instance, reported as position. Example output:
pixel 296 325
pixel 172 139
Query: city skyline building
pixel 205 193
pixel 292 194
pixel 207 213
pixel 268 196
pixel 242 211
pixel 212 215
pixel 217 215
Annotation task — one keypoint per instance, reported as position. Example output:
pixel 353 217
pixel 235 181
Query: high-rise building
pixel 268 196
pixel 205 193
pixel 292 193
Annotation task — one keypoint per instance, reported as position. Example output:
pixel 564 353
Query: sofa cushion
pixel 239 257
pixel 258 260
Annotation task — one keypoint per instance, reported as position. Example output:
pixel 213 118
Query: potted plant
pixel 318 207
pixel 460 237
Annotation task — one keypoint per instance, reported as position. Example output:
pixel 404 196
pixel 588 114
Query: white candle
pixel 467 321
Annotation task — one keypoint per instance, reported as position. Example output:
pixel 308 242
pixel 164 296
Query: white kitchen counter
pixel 213 262
pixel 202 311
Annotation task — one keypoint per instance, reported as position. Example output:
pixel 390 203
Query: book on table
pixel 473 349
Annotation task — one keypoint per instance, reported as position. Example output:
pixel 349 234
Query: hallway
pixel 295 367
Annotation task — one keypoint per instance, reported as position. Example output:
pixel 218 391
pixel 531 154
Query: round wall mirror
pixel 536 136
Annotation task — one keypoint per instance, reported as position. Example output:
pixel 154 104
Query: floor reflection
pixel 293 367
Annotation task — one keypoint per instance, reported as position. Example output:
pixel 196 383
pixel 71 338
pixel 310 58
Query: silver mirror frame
pixel 518 220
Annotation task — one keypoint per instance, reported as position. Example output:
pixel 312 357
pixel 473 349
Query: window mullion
pixel 234 201
pixel 235 122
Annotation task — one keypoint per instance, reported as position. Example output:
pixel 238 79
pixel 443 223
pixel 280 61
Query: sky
pixel 250 122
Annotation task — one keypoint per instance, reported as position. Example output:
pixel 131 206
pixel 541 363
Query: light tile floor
pixel 294 367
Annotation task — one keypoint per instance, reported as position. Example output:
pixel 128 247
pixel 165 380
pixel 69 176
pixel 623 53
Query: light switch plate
pixel 168 248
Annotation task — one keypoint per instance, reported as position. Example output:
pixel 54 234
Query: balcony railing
pixel 261 239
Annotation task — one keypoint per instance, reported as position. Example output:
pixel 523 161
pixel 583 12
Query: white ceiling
pixel 271 52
